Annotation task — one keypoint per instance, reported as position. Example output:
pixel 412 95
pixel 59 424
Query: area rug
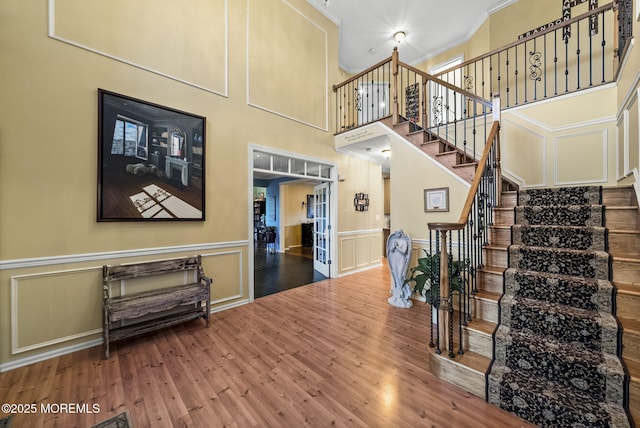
pixel 119 421
pixel 556 349
pixel 6 422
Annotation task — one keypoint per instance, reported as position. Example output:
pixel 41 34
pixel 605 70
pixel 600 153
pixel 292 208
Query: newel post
pixel 394 86
pixel 444 313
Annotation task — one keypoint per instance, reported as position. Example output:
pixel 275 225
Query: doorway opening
pixel 293 208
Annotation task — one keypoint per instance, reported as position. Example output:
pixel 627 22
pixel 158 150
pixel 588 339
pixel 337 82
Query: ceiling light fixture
pixel 399 36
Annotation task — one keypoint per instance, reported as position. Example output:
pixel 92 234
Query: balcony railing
pixel 575 54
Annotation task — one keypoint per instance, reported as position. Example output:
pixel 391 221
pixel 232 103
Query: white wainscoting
pixel 359 250
pixel 66 302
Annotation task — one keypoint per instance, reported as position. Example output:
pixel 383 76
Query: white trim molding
pixel 225 92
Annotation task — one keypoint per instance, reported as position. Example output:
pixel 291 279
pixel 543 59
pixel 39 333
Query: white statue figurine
pixel 398 257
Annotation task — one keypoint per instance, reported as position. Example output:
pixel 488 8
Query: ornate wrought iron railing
pixel 460 245
pixel 392 89
pixel 565 57
pixel 454 106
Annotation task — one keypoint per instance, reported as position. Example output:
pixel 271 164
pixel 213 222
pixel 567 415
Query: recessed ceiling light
pixel 372 51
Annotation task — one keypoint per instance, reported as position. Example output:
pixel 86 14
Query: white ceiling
pixel 431 27
pixel 366 29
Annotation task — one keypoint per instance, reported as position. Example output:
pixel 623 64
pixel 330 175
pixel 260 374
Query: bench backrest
pixel 139 270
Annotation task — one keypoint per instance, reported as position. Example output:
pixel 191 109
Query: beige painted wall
pixel 293 212
pixel 568 141
pixel 412 173
pixel 52 248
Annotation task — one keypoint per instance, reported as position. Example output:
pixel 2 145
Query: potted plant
pixel 426 277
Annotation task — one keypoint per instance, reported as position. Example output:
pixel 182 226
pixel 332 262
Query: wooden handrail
pixel 362 73
pixel 447 85
pixel 466 210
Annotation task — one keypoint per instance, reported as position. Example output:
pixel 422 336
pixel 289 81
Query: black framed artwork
pixel 151 161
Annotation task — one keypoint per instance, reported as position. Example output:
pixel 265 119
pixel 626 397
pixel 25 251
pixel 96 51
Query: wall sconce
pixel 361 202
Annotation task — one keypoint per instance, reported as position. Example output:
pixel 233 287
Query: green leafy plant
pixel 425 277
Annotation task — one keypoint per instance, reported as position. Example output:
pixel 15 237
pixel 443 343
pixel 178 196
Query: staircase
pixel 460 162
pixel 556 359
pixel 621 239
pixel 621 214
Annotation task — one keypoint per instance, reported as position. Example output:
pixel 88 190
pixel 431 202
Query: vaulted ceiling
pixel 431 27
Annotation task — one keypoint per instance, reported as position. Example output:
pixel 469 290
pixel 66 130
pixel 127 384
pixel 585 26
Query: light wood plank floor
pixel 329 354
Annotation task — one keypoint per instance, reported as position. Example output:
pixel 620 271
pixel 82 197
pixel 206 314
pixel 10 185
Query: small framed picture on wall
pixel 436 200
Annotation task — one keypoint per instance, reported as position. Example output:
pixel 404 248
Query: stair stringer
pixel 374 130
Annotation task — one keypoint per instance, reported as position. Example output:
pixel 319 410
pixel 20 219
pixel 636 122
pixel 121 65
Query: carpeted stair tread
pixel 595 330
pixel 550 404
pixel 586 293
pixel 574 237
pixel 560 215
pixel 557 345
pixel 581 195
pixel 590 264
pixel 597 374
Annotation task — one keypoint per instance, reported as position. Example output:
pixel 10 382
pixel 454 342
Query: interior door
pixel 321 229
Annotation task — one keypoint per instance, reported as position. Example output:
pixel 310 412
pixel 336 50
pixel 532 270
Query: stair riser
pixel 463 377
pixel 490 282
pixel 402 128
pixel 509 200
pixel 503 217
pixel 626 271
pixel 624 244
pixel 499 236
pixel 634 401
pixel 627 305
pixel 449 160
pixel 624 219
pixel 484 309
pixel 618 196
pixel 631 345
pixel 478 342
pixel 432 149
pixel 495 257
pixel 466 172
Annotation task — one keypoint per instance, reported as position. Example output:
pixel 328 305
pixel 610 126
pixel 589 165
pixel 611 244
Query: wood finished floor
pixel 331 354
pixel 275 272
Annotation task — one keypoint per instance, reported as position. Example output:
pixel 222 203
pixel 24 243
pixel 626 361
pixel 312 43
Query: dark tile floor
pixel 276 272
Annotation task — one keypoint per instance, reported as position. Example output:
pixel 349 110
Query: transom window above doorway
pixel 280 164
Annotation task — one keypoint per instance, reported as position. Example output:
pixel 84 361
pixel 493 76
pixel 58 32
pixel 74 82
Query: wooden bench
pixel 137 313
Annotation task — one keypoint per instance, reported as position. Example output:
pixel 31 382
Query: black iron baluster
pixel 555 62
pixel 578 54
pixel 436 283
pixel 545 67
pixel 507 74
pixel 516 74
pixel 450 297
pixel 603 45
pixel 591 33
pixel 499 78
pixel 566 64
